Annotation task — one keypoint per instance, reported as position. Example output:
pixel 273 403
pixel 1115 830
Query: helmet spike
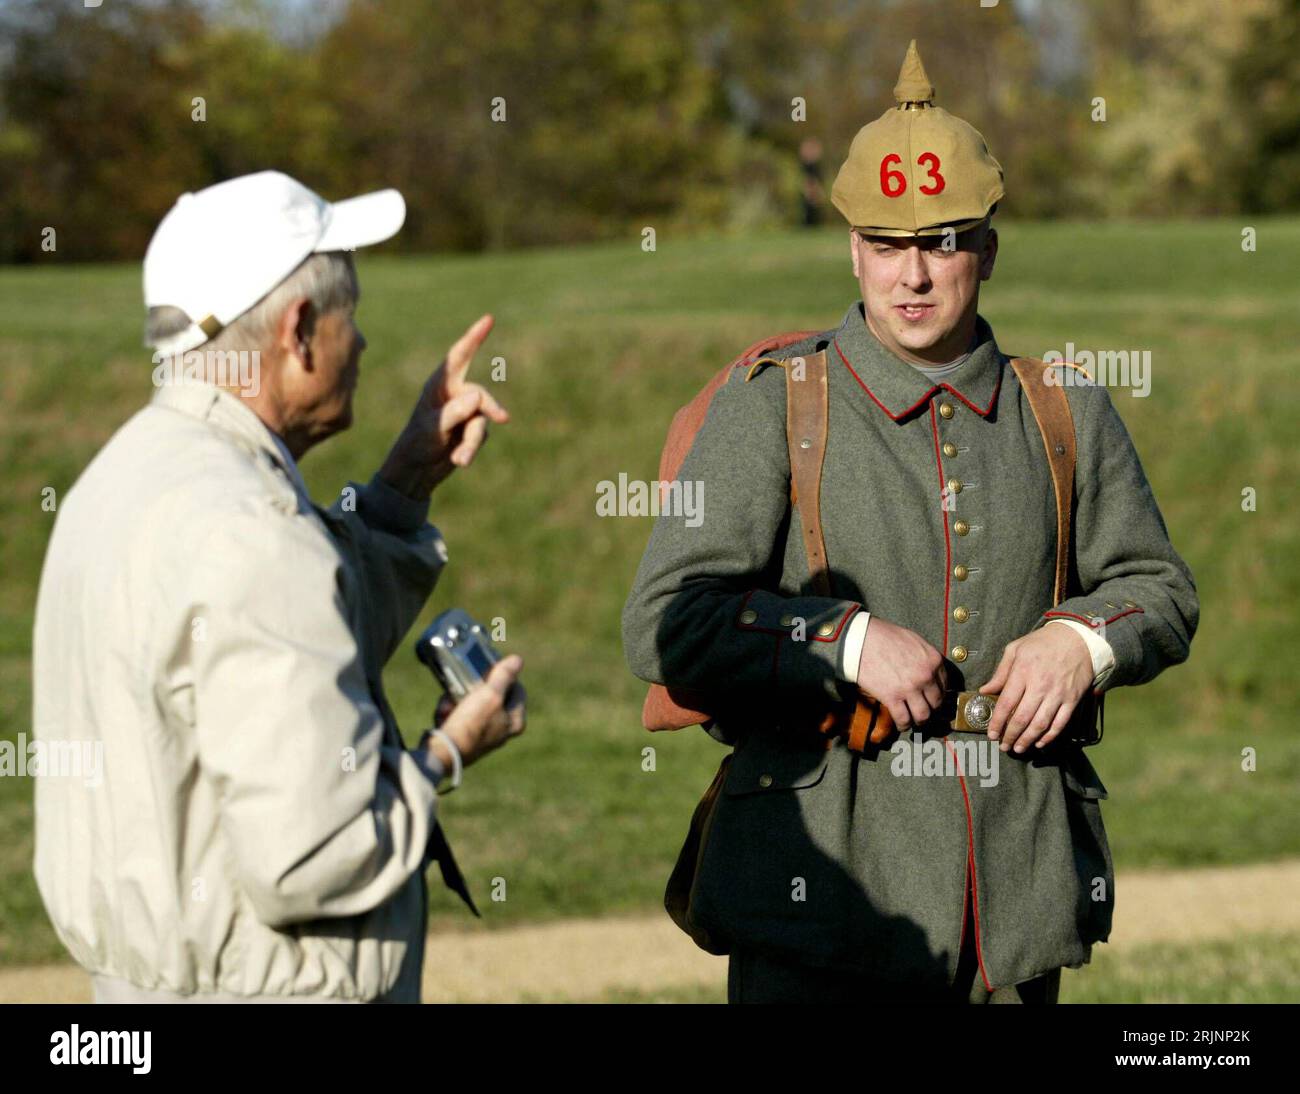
pixel 913 85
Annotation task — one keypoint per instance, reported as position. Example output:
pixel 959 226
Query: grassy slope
pixel 601 345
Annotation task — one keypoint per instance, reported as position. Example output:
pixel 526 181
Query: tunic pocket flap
pixel 761 765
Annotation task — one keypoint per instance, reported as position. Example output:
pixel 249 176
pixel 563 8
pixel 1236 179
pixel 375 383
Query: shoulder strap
pixel 807 421
pixel 1052 413
pixel 687 421
pixel 1055 422
pixel 676 709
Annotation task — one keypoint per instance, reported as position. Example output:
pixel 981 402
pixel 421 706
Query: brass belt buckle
pixel 977 711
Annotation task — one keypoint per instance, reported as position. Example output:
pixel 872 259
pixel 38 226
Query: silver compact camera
pixel 457 651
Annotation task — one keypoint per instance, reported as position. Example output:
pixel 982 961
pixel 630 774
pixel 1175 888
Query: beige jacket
pixel 257 828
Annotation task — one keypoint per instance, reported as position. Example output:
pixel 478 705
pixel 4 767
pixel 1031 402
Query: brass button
pixel 826 630
pixel 1110 605
pixel 961 614
pixel 959 653
pixel 954 486
pixel 949 449
pixel 960 572
pixel 960 527
pixel 748 616
pixel 765 781
pixel 1130 604
pixel 786 620
pixel 946 410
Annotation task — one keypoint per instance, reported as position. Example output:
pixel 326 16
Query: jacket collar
pixel 901 390
pixel 209 403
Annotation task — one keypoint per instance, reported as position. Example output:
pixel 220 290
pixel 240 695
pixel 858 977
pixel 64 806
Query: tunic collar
pixel 899 389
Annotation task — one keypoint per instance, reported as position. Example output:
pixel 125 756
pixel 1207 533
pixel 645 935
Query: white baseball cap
pixel 221 250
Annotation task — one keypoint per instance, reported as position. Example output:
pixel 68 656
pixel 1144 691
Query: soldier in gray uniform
pixel 886 871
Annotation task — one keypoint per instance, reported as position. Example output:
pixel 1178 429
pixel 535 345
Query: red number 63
pixel 893 182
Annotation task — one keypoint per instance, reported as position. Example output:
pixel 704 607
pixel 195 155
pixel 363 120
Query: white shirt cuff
pixel 851 651
pixel 1103 657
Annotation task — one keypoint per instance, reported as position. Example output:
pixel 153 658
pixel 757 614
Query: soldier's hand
pixel 449 423
pixel 493 712
pixel 902 670
pixel 1039 682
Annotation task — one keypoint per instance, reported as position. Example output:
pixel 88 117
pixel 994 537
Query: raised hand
pixel 449 423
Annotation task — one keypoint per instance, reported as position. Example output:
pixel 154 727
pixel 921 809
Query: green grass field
pixel 601 345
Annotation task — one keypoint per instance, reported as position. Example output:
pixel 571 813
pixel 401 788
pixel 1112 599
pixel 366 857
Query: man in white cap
pixel 258 831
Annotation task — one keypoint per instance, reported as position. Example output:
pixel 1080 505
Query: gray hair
pixel 328 280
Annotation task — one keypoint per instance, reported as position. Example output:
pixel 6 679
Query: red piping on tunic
pixel 970 885
pixel 848 612
pixel 893 417
pixel 947 542
pixel 992 399
pixel 970 869
pixel 965 888
pixel 1089 622
pixel 904 413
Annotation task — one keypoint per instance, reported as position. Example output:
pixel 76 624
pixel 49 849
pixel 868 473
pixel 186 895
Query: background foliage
pixel 621 113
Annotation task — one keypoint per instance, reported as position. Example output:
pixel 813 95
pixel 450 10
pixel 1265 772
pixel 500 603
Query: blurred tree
pixel 111 112
pixel 1265 82
pixel 604 115
pixel 1182 104
pixel 95 127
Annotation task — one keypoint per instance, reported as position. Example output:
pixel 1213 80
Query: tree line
pixel 526 122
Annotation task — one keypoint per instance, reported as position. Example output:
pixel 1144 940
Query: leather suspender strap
pixel 1052 412
pixel 807 424
pixel 1055 422
pixel 807 421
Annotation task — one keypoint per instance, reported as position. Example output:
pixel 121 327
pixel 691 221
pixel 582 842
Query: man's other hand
pixel 1039 682
pixel 902 670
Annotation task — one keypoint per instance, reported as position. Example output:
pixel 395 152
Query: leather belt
pixel 868 721
pixel 970 712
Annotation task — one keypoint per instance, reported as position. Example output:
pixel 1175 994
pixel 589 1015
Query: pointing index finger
pixel 462 353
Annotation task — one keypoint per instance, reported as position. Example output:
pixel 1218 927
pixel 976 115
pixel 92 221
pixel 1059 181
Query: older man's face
pixel 920 299
pixel 322 394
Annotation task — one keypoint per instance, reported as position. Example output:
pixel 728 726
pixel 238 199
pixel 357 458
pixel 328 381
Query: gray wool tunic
pixel 843 860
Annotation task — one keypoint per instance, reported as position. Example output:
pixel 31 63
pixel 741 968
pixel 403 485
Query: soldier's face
pixel 921 296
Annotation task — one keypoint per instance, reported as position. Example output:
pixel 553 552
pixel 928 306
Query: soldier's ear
pixel 988 254
pixel 855 242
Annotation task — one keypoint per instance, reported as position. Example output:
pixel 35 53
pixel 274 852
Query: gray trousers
pixel 754 977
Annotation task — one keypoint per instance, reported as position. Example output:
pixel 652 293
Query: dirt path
pixel 580 959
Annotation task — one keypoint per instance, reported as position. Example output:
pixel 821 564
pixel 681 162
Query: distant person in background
pixel 813 194
pixel 261 832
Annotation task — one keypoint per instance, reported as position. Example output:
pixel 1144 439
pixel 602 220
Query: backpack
pixel 807 426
